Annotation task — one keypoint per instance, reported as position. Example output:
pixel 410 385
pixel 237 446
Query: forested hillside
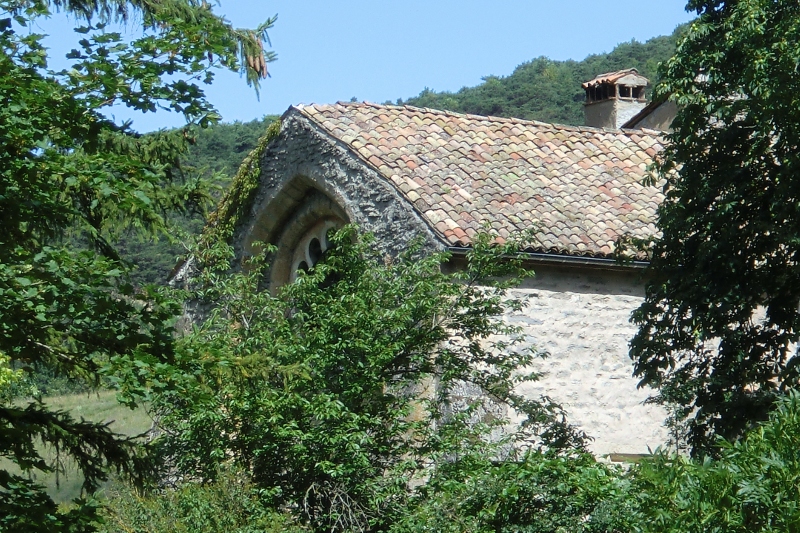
pixel 547 90
pixel 216 153
pixel 222 148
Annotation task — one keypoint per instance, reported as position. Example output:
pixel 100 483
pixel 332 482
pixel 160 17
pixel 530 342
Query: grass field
pixel 98 407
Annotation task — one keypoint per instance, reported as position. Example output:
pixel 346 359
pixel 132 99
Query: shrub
pixel 752 487
pixel 230 505
pixel 540 493
pixel 350 386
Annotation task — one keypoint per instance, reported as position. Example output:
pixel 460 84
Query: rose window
pixel 311 247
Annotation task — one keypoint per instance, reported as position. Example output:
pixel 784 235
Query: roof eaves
pixel 606 263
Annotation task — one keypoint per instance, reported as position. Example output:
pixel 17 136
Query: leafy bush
pixel 350 386
pixel 540 493
pixel 9 378
pixel 229 505
pixel 752 487
pixel 42 380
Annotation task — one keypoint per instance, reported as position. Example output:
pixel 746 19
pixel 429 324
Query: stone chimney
pixel 614 98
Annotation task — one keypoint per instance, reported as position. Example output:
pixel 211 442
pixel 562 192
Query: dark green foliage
pixel 547 90
pixel 229 505
pixel 92 446
pixel 214 154
pixel 539 493
pixel 41 381
pixel 152 258
pixel 342 392
pixel 223 147
pixel 70 181
pixel 26 508
pixel 751 488
pixel 718 328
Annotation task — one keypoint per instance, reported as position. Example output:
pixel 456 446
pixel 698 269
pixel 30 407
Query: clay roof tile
pixel 584 185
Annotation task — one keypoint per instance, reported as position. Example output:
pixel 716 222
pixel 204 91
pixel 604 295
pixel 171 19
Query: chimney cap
pixel 630 77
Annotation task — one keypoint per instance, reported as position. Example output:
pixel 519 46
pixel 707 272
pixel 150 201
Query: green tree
pixel 719 324
pixel 65 169
pixel 750 488
pixel 347 389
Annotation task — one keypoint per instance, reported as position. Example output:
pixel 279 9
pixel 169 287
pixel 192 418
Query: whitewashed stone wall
pixel 581 318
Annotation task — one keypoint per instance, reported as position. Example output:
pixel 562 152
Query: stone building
pixel 404 172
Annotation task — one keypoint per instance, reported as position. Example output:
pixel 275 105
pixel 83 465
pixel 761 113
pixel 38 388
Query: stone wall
pixel 581 318
pixel 660 118
pixel 600 114
pixel 626 110
pixel 611 113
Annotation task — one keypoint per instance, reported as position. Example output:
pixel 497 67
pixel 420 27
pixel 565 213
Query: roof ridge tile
pixel 491 118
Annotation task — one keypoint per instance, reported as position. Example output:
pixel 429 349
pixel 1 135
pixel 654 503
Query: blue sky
pixel 378 50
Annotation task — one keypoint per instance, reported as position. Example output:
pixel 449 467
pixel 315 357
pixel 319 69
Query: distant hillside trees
pixel 222 148
pixel 548 90
pixel 215 154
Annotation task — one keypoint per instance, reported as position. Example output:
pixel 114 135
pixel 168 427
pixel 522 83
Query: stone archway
pixel 302 238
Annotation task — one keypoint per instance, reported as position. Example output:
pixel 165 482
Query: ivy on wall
pixel 239 197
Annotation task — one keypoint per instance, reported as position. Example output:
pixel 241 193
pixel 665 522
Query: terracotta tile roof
pixel 611 77
pixel 581 186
